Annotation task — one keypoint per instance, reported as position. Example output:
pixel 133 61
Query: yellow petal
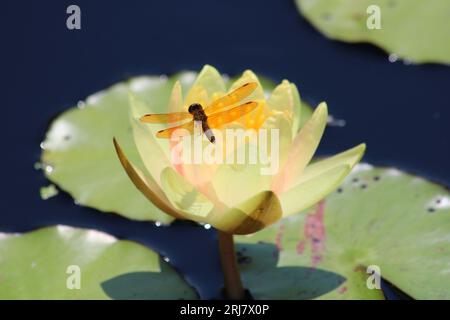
pixel 249 216
pixel 176 99
pixel 297 116
pixel 249 76
pixel 197 94
pixel 310 191
pixel 185 197
pixel 210 79
pixel 279 121
pixel 208 83
pixel 282 99
pixel 256 118
pixel 154 154
pixel 285 98
pixel 146 185
pixel 199 175
pixel 303 148
pixel 235 183
pixel 349 157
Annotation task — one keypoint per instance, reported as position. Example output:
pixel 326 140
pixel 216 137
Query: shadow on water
pixel 392 292
pixel 261 276
pixel 266 280
pixel 162 285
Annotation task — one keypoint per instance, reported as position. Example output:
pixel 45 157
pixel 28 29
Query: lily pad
pixel 48 192
pixel 45 264
pixel 415 30
pixel 379 217
pixel 79 157
pixel 78 153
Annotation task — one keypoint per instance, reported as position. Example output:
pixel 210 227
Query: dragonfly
pixel 215 115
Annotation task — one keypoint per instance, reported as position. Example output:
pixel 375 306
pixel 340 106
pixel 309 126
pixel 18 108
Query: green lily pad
pixel 44 264
pixel 48 192
pixel 78 153
pixel 379 216
pixel 79 156
pixel 415 30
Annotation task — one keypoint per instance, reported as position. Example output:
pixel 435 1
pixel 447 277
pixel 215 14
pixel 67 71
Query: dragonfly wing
pixel 165 118
pixel 221 118
pixel 167 133
pixel 235 96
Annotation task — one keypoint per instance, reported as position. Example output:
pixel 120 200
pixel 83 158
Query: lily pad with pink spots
pixel 379 218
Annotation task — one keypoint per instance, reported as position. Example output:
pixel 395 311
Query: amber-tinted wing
pixel 165 118
pixel 233 97
pixel 167 133
pixel 221 118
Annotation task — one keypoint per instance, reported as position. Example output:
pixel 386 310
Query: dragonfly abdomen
pixel 199 115
pixel 208 132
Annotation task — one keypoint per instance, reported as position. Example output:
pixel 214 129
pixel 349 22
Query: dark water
pixel 402 112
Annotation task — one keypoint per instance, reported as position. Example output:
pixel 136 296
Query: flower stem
pixel 232 280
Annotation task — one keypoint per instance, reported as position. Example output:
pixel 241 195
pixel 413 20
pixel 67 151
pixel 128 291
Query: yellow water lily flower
pixel 237 198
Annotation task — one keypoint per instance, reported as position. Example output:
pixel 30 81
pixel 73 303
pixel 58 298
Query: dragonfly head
pixel 194 108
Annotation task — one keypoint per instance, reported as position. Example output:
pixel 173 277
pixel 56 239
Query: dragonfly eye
pixel 194 107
